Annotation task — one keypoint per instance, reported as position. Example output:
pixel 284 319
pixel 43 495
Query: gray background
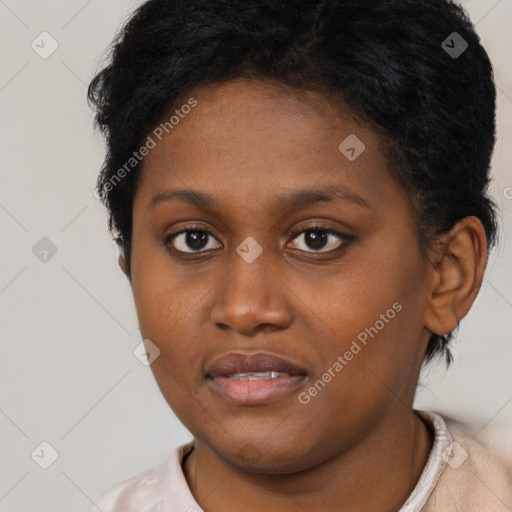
pixel 68 325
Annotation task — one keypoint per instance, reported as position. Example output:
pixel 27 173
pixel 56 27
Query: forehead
pixel 244 141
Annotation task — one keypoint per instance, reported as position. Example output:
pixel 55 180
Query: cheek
pixel 372 314
pixel 365 370
pixel 169 317
pixel 163 301
pixel 377 279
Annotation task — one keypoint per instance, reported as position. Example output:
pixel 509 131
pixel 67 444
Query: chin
pixel 261 457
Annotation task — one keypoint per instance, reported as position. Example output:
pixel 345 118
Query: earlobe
pixel 122 264
pixel 456 275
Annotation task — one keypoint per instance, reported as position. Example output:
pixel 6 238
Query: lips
pixel 254 379
pixel 236 363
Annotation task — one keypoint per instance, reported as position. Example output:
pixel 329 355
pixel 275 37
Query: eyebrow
pixel 291 201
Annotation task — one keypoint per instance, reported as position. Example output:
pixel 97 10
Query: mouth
pixel 253 379
pixel 257 375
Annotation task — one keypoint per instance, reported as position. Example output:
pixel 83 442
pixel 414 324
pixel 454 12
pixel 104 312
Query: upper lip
pixel 236 362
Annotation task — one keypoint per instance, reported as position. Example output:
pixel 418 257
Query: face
pixel 299 250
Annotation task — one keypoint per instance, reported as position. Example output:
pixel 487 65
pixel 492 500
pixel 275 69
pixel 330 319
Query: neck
pixel 378 474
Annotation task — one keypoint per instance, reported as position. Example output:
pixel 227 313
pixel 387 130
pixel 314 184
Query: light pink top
pixel 164 488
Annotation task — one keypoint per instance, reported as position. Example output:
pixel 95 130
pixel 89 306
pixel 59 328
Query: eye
pixel 317 237
pixel 192 237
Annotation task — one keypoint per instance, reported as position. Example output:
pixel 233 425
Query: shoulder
pixel 160 488
pixel 139 492
pixel 474 477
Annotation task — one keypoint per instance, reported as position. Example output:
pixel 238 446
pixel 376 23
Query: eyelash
pixel 345 239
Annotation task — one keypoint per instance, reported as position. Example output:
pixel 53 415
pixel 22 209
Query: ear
pixel 122 264
pixel 460 260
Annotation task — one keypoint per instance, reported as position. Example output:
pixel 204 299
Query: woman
pixel 299 193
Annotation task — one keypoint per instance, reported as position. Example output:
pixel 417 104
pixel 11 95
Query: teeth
pixel 257 375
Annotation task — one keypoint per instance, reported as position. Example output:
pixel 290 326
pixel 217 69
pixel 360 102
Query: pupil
pixel 196 239
pixel 316 241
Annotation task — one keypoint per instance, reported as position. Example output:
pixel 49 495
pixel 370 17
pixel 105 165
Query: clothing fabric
pixel 461 475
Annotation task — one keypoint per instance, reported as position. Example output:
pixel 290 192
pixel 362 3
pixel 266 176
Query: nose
pixel 251 297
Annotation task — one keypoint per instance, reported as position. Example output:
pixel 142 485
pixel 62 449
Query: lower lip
pixel 254 392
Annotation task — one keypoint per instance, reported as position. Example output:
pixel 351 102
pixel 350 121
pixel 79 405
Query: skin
pixel 357 445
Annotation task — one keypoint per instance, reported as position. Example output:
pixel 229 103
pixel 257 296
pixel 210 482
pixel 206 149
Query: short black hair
pixel 401 65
